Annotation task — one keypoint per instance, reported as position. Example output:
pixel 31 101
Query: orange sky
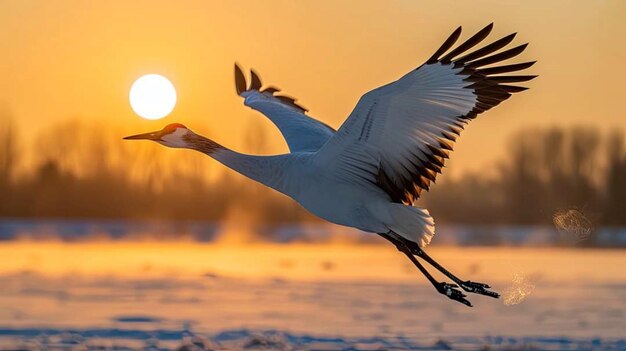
pixel 64 59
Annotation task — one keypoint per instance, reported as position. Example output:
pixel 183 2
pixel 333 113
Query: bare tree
pixel 8 150
pixel 615 200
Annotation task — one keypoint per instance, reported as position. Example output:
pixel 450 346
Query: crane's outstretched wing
pixel 399 135
pixel 302 133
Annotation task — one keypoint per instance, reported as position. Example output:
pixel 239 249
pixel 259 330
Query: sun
pixel 152 96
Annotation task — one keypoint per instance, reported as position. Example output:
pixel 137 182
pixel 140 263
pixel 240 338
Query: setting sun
pixel 152 96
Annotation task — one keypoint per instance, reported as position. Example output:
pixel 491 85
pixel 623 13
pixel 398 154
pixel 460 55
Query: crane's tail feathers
pixel 412 223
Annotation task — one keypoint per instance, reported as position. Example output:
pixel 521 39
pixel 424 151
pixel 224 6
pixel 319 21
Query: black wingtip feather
pixel 486 50
pixel 512 88
pixel 445 46
pixel 468 44
pixel 506 69
pixel 288 100
pixel 255 81
pixel 255 84
pixel 438 152
pixel 240 80
pixel 270 90
pixel 504 55
pixel 512 79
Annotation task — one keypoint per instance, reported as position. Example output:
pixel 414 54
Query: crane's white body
pixel 318 189
pixel 333 175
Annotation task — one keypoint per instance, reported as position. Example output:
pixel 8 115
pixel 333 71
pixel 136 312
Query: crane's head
pixel 173 135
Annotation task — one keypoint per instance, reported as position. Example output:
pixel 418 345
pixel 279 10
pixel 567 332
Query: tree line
pixel 544 171
pixel 79 170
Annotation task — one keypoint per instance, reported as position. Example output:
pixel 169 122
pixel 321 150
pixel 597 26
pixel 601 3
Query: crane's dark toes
pixel 475 284
pixel 479 288
pixel 451 291
pixel 446 286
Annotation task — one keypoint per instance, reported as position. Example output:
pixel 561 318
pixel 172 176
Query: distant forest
pixel 86 171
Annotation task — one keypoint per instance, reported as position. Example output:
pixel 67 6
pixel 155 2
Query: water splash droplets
pixel 573 222
pixel 521 287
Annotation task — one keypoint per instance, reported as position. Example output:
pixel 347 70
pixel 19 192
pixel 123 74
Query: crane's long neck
pixel 268 170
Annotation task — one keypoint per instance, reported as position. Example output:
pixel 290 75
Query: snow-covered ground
pixel 456 235
pixel 150 295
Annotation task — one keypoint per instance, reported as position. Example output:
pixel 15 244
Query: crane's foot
pixel 451 291
pixel 478 288
pixel 468 286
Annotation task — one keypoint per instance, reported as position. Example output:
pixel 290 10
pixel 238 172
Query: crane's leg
pixel 443 288
pixel 469 286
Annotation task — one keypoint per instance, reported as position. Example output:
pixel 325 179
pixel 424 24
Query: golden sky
pixel 63 59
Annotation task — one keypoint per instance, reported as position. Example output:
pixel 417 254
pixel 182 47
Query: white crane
pixel 369 173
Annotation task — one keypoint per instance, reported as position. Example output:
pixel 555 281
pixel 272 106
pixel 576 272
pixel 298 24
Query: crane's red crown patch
pixel 170 128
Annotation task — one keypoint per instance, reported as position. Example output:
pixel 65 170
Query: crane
pixel 369 173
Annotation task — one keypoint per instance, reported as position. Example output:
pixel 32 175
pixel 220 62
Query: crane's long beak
pixel 145 136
